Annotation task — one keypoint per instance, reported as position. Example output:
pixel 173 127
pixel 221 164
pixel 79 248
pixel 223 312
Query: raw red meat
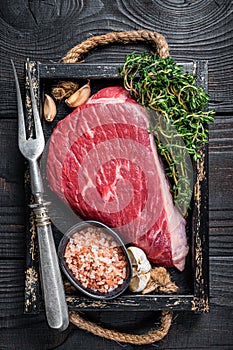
pixel 103 162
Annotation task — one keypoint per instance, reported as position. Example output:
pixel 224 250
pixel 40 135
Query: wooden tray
pixel 193 282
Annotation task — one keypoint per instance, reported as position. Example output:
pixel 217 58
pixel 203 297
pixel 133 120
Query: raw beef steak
pixel 103 162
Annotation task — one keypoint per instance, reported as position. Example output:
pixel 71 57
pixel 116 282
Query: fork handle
pixel 54 295
pixel 36 179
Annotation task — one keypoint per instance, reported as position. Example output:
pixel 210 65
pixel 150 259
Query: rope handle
pixel 74 56
pixel 67 88
pixel 138 339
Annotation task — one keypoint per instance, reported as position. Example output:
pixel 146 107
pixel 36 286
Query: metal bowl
pixel 113 236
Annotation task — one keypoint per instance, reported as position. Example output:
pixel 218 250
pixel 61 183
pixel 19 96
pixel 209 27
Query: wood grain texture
pixel 12 233
pixel 11 166
pixel 194 30
pixel 46 30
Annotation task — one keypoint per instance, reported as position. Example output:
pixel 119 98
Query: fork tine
pixel 37 122
pixel 21 122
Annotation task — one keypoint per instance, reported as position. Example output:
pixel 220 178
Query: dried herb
pixel 179 124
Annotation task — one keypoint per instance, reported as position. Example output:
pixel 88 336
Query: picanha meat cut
pixel 103 162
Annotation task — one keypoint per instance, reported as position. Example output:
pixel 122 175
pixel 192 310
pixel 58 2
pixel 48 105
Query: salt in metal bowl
pixel 81 227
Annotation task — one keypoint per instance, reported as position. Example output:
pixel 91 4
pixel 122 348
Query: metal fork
pixel 32 148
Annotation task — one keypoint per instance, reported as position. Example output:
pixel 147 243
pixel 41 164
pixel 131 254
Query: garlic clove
pixel 139 260
pixel 139 282
pixel 80 96
pixel 50 109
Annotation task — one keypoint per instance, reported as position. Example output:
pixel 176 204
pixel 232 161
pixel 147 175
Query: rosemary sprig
pixel 179 124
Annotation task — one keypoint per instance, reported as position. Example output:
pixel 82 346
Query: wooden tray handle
pixel 138 339
pixel 73 56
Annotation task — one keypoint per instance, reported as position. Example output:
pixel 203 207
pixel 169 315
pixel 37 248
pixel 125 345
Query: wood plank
pixel 130 303
pixel 220 177
pixel 27 333
pixel 194 36
pixel 221 163
pixel 221 134
pixel 221 218
pixel 220 180
pixel 221 281
pixel 12 232
pixel 221 240
pixel 11 288
pixel 16 329
pixel 11 166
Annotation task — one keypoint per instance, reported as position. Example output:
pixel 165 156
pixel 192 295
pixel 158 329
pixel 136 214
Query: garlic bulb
pixel 141 269
pixel 139 282
pixel 139 260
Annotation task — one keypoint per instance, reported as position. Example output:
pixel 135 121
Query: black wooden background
pixel 45 30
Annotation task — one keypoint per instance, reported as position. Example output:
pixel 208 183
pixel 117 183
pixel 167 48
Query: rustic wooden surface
pixel 46 30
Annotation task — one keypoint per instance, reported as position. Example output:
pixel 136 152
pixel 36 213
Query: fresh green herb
pixel 161 85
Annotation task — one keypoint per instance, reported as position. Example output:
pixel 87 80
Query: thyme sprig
pixel 162 86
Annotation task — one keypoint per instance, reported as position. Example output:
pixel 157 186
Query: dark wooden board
pixel 194 30
pixel 45 31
